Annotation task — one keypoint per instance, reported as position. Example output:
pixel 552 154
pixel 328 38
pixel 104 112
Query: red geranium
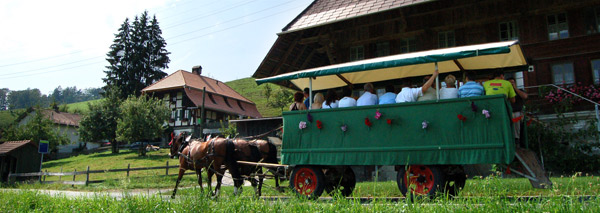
pixel 368 122
pixel 319 124
pixel 461 117
pixel 389 121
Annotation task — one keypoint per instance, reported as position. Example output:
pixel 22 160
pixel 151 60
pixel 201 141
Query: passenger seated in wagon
pixel 367 98
pixel 347 100
pixel 450 90
pixel 330 100
pixel 298 104
pixel 318 101
pixel 411 94
pixel 389 96
pixel 471 88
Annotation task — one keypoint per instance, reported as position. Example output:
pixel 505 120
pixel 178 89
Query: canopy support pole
pixel 437 83
pixel 309 92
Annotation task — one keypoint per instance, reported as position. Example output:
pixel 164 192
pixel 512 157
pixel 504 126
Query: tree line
pixel 21 99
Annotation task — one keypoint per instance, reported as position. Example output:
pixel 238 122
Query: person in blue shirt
pixel 471 88
pixel 306 97
pixel 389 97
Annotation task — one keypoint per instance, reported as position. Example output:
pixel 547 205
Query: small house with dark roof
pixel 66 124
pixel 184 92
pixel 18 157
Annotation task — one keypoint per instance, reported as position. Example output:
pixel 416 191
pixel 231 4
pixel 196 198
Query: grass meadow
pixel 573 193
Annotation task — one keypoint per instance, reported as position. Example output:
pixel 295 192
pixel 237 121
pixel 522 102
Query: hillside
pixel 247 87
pixel 80 107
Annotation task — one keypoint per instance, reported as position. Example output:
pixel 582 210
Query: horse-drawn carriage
pixel 427 142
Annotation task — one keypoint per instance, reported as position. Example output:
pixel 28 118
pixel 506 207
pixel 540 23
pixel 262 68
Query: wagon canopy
pixel 472 57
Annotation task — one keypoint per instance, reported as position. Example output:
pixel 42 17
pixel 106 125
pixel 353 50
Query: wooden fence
pixel 42 175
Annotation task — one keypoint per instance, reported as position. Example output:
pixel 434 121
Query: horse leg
pixel 199 174
pixel 209 174
pixel 219 181
pixel 260 182
pixel 181 173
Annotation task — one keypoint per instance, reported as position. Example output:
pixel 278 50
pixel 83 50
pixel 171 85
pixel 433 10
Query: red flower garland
pixel 389 121
pixel 368 122
pixel 461 117
pixel 319 124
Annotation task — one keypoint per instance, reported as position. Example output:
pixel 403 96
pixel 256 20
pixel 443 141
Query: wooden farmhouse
pixel 18 157
pixel 560 38
pixel 183 91
pixel 66 124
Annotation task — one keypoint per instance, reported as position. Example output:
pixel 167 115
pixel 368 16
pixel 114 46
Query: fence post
pixel 167 172
pixel 87 175
pixel 10 177
pixel 128 166
pixel 74 174
pixel 45 173
pixel 60 176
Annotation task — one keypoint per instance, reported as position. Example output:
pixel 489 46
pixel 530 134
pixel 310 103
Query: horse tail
pixel 272 155
pixel 232 164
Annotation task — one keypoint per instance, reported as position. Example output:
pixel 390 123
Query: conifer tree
pixel 137 56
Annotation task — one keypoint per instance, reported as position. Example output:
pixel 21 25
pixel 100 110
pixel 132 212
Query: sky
pixel 46 44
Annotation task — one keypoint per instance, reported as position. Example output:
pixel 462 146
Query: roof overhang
pixel 472 57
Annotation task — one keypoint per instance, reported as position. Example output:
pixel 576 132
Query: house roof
pixel 221 103
pixel 9 146
pixel 62 118
pixel 183 79
pixel 322 12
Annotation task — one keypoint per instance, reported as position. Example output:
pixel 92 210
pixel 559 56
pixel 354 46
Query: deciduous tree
pixel 142 118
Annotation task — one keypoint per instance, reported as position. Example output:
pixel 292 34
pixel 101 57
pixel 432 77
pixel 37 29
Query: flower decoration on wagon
pixel 368 123
pixel 473 106
pixel 302 125
pixel 486 113
pixel 461 117
pixel 309 117
pixel 344 127
pixel 389 121
pixel 319 125
pixel 425 124
pixel 377 114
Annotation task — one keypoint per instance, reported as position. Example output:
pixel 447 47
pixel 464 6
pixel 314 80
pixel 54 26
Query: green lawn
pixel 7 117
pixel 247 87
pixel 80 107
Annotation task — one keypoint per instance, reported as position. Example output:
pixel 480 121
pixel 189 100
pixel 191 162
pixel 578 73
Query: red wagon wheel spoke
pixel 306 181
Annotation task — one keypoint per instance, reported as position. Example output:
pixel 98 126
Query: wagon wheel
pixel 345 182
pixel 455 183
pixel 422 180
pixel 307 181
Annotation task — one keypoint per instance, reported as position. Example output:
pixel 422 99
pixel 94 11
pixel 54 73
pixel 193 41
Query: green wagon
pixel 432 140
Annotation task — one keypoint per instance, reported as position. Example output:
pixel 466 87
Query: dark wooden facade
pixel 433 24
pixel 18 157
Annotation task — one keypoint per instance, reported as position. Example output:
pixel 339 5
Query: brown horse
pixel 253 151
pixel 219 154
pixel 195 155
pixel 191 157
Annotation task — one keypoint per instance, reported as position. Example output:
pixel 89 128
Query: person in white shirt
pixel 368 98
pixel 330 100
pixel 450 90
pixel 347 100
pixel 411 94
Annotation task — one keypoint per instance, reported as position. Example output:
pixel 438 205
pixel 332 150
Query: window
pixel 596 70
pixel 509 31
pixel 592 20
pixel 408 45
pixel 446 39
pixel 558 27
pixel 186 114
pixel 211 98
pixel 226 102
pixel 357 53
pixel 179 115
pixel 563 74
pixel 240 105
pixel 518 79
pixel 383 49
